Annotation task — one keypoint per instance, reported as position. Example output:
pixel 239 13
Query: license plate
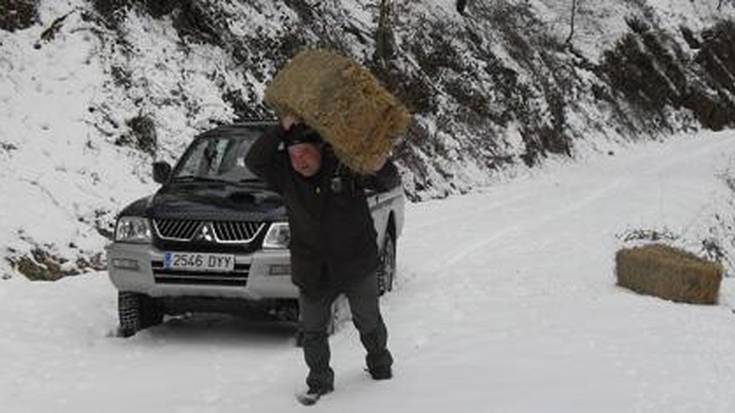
pixel 198 261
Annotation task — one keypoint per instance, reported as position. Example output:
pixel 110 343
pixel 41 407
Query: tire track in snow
pixel 459 253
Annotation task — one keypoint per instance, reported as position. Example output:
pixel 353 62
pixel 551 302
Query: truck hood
pixel 211 201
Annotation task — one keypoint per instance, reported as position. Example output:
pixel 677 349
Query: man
pixel 333 242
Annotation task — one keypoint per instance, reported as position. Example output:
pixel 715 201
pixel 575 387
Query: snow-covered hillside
pixel 506 298
pixel 93 91
pixel 506 302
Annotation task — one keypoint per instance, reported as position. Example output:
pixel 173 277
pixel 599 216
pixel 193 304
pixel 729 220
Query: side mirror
pixel 161 172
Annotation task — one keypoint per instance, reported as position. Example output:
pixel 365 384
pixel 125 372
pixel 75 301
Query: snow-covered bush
pixel 17 14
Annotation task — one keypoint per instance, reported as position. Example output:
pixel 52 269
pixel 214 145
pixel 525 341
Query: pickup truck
pixel 214 238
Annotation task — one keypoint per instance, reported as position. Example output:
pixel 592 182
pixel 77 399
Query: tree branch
pixel 571 24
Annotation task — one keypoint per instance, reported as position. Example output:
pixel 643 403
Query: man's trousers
pixel 316 313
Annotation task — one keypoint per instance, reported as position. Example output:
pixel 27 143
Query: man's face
pixel 306 158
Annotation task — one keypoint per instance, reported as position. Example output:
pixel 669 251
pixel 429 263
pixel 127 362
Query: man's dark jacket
pixel 333 239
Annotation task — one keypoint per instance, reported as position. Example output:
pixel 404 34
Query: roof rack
pixel 248 121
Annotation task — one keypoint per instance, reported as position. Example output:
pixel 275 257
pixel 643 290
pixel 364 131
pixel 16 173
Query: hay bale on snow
pixel 344 102
pixel 669 273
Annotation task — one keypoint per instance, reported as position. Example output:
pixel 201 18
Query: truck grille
pixel 239 277
pixel 215 231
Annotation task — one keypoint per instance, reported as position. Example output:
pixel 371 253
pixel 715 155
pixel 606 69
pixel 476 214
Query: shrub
pixel 17 14
pixel 41 266
pixel 142 134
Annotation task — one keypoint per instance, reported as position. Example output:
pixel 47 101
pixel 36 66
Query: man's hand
pixel 288 121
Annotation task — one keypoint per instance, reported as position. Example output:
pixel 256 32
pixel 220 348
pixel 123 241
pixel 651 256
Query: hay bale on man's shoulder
pixel 344 102
pixel 669 273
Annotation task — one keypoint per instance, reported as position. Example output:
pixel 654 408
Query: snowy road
pixel 506 303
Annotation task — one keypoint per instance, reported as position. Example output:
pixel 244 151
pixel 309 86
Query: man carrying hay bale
pixel 321 94
pixel 333 242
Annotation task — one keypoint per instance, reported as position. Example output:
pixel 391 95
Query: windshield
pixel 218 158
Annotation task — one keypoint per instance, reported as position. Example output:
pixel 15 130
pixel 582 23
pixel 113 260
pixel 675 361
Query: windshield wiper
pixel 197 178
pixel 194 178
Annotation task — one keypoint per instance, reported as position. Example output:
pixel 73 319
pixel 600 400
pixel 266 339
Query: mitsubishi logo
pixel 206 233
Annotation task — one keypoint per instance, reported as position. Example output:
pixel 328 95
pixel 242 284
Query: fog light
pixel 280 270
pixel 125 264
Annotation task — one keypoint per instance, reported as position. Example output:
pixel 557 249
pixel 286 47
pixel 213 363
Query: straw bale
pixel 344 102
pixel 669 273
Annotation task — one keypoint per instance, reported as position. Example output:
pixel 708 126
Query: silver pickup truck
pixel 214 238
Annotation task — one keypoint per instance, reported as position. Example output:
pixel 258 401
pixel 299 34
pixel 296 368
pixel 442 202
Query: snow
pixel 505 301
pixel 60 111
pixel 598 25
pixel 506 298
pixel 54 174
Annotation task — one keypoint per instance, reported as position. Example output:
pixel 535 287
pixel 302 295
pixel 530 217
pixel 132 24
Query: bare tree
pixel 384 41
pixel 721 3
pixel 571 22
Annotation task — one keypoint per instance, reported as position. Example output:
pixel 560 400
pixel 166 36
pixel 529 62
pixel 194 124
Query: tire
pixel 387 270
pixel 136 312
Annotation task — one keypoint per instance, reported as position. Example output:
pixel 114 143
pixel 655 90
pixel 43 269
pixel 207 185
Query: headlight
pixel 133 229
pixel 278 236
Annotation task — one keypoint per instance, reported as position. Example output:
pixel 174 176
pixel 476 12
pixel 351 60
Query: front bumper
pixel 122 259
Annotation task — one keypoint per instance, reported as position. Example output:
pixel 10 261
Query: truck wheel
pixel 387 270
pixel 136 312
